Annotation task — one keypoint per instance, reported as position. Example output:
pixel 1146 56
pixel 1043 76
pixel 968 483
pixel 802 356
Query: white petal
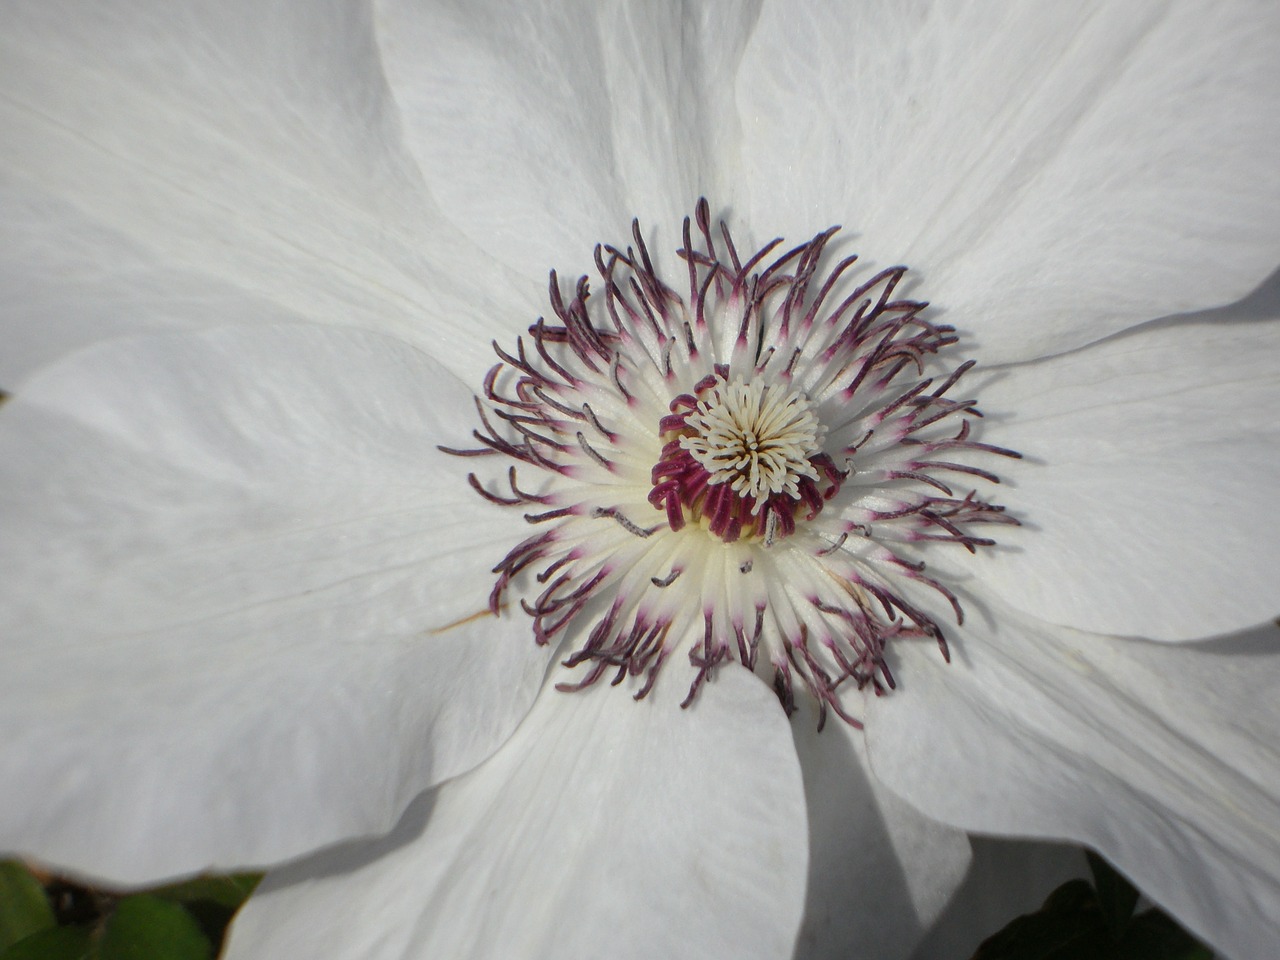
pixel 604 828
pixel 879 871
pixel 1160 757
pixel 255 143
pixel 1147 493
pixel 1007 879
pixel 66 282
pixel 542 131
pixel 1055 172
pixel 237 557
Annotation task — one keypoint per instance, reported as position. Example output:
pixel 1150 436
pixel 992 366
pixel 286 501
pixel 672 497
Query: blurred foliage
pixel 48 918
pixel 1094 921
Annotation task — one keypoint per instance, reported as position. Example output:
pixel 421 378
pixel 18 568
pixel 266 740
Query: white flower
pixel 743 473
pixel 253 259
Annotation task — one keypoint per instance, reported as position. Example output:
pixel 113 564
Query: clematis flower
pixel 254 259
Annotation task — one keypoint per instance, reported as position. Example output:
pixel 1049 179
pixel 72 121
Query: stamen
pixel 719 418
pixel 834 547
pixel 668 580
pixel 591 452
pixel 622 521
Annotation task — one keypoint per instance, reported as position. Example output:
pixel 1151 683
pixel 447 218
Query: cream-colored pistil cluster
pixel 756 438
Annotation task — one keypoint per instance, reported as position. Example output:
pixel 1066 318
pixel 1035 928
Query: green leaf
pixel 1117 897
pixel 145 927
pixel 212 901
pixel 24 909
pixel 55 943
pixel 1068 927
pixel 228 891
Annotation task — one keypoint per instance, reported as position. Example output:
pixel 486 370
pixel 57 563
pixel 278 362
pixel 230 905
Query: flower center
pixel 643 419
pixel 742 459
pixel 753 438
